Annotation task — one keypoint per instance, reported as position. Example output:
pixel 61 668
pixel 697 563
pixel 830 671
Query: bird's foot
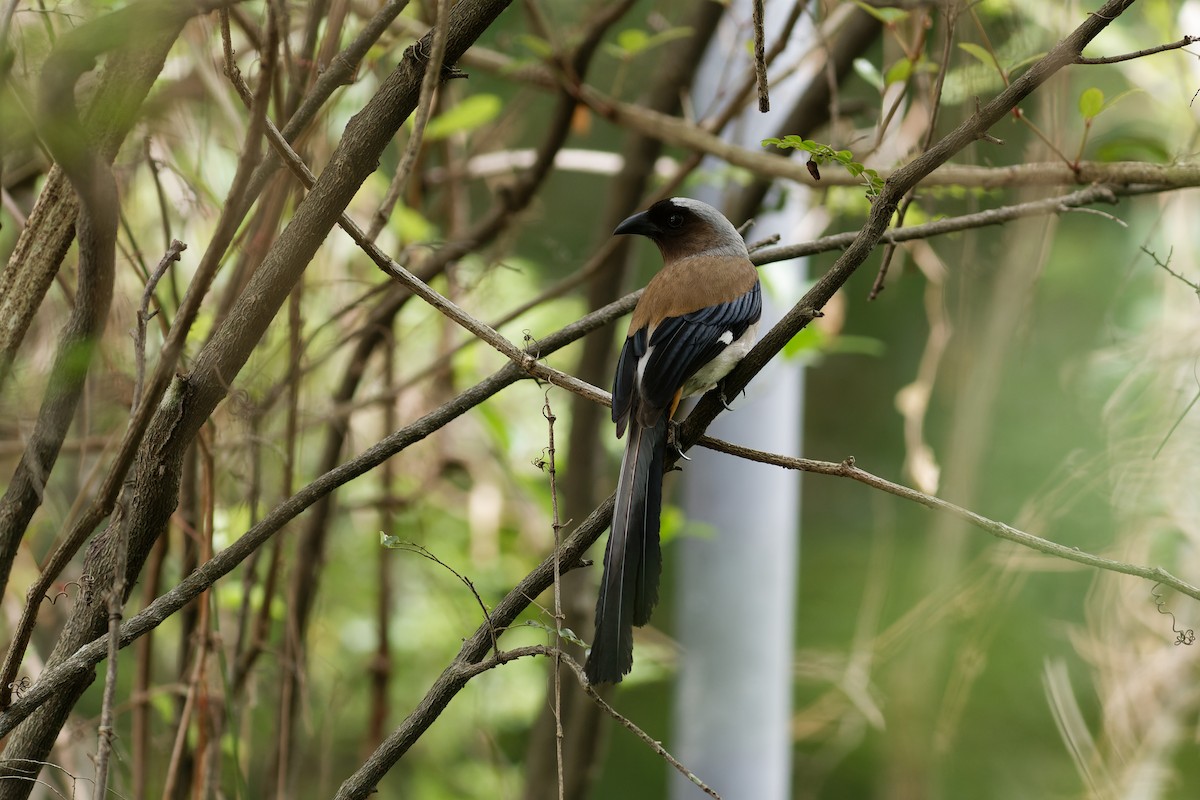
pixel 673 439
pixel 722 396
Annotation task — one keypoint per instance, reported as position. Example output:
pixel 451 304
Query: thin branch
pixel 885 204
pixel 980 219
pixel 147 406
pixel 847 469
pixel 628 724
pixel 173 254
pixel 1166 265
pixel 429 84
pixel 760 57
pixel 766 255
pixel 54 678
pixel 424 552
pixel 950 23
pixel 116 604
pixel 1149 51
pixel 421 289
pixel 548 464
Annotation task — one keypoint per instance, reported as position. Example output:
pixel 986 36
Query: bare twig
pixel 174 253
pixel 980 219
pixel 949 23
pixel 628 724
pixel 424 552
pixel 116 602
pixel 847 469
pixel 172 348
pixel 767 255
pixel 1166 265
pixel 1149 51
pixel 547 463
pixel 57 676
pixel 429 84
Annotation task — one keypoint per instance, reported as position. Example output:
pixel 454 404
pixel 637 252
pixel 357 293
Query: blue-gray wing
pixel 626 378
pixel 679 347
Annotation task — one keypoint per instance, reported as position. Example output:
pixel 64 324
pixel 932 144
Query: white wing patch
pixel 641 364
pixel 708 375
pixel 726 338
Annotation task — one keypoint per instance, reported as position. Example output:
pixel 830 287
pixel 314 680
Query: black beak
pixel 638 224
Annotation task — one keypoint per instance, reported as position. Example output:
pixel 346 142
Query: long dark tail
pixel 632 560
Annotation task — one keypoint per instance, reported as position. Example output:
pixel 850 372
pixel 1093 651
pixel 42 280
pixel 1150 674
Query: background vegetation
pixel 1040 372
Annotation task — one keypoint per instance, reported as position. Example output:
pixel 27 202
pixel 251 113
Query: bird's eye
pixel 675 220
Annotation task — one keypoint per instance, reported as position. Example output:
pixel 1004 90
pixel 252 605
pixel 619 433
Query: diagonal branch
pixel 884 206
pixel 847 469
pixel 1149 51
pixel 56 677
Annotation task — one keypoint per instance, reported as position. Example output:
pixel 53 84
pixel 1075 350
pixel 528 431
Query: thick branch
pixel 896 186
pixel 60 676
pixel 179 417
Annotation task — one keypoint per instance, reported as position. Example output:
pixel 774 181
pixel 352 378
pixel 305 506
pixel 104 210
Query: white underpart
pixel 708 375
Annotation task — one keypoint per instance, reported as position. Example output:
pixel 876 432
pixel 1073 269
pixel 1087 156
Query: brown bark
pixel 149 502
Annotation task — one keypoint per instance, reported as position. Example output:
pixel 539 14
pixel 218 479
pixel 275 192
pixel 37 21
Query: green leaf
pixel 982 55
pixel 633 40
pixel 806 340
pixel 869 73
pixel 674 523
pixel 791 142
pixel 856 345
pixel 1091 103
pixel 669 35
pixel 1109 104
pixel 536 45
pixel 1133 147
pixel 473 112
pixel 496 425
pixel 888 16
pixel 567 634
pixel 899 72
pixel 1025 62
pixel 411 226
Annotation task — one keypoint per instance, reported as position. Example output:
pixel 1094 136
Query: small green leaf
pixel 1091 103
pixel 566 633
pixel 888 16
pixel 899 72
pixel 536 45
pixel 869 73
pixel 412 226
pixel 473 112
pixel 1134 147
pixel 1110 103
pixel 1025 62
pixel 856 345
pixel 806 340
pixel 633 40
pixel 982 55
pixel 669 35
pixel 789 142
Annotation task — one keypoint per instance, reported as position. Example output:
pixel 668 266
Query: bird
pixel 696 319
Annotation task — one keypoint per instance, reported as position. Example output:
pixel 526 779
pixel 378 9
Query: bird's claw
pixel 673 439
pixel 721 396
